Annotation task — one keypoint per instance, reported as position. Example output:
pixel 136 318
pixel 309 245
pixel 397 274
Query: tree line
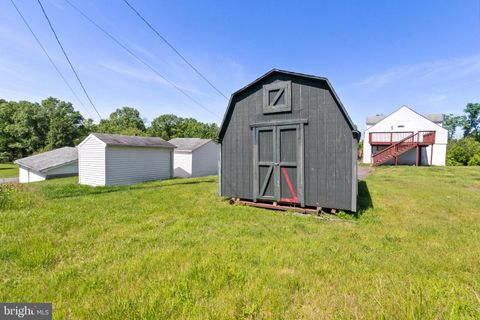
pixel 27 127
pixel 465 150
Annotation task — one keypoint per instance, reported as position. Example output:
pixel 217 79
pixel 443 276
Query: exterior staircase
pixel 396 149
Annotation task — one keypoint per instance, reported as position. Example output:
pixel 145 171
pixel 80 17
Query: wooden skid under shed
pixel 277 207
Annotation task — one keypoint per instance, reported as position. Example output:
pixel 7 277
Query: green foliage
pixel 451 123
pixel 471 126
pixel 164 126
pixel 170 126
pixel 126 121
pixel 463 152
pixel 27 127
pixel 475 160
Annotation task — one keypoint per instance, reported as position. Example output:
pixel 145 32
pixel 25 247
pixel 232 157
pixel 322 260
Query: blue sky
pixel 378 55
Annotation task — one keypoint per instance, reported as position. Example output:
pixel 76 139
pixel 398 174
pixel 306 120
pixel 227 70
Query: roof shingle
pixel 188 144
pixel 51 159
pixel 132 141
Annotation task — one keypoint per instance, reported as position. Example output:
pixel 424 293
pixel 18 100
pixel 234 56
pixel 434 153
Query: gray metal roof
pixel 132 141
pixel 438 117
pixel 48 160
pixel 188 144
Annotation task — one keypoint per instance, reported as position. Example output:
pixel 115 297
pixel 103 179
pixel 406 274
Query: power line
pixel 124 47
pixel 174 49
pixel 50 59
pixel 68 60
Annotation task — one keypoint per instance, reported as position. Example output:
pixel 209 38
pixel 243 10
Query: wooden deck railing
pixel 387 137
pixel 403 145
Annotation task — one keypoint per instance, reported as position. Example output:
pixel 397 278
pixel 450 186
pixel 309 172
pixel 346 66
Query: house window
pixel 277 97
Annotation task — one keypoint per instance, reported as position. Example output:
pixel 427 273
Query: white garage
pixel 111 159
pixel 194 157
pixel 60 162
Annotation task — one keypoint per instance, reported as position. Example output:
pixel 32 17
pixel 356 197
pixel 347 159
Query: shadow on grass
pixel 364 198
pixel 77 190
pixel 364 201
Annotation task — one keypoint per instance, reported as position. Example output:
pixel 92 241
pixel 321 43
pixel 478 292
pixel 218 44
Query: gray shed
pixel 287 138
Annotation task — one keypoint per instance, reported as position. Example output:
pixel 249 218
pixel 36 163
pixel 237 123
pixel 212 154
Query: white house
pixel 195 157
pixel 405 137
pixel 51 164
pixel 111 159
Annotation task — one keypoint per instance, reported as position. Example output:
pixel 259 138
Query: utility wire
pixel 174 49
pixel 50 59
pixel 68 60
pixel 124 47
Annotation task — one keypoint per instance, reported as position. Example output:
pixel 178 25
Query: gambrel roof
pixel 290 73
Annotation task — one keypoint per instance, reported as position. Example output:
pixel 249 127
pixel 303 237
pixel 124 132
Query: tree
pixel 451 123
pixel 170 126
pixel 471 123
pixel 124 120
pixel 164 126
pixel 63 123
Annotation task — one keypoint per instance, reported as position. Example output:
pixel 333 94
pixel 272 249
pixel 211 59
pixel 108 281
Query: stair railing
pixel 393 149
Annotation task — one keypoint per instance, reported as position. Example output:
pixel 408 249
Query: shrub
pixel 460 152
pixel 475 160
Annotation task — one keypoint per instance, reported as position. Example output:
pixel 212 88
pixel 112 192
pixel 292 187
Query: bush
pixel 474 161
pixel 463 152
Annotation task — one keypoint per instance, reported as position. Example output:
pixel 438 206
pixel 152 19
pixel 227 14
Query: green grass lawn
pixel 174 249
pixel 8 170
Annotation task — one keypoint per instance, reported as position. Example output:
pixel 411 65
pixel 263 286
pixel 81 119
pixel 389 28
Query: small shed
pixel 60 162
pixel 195 157
pixel 112 159
pixel 287 138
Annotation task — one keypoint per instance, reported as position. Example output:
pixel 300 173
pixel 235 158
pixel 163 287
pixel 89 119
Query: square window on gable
pixel 277 97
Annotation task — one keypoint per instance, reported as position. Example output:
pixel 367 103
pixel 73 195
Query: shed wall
pixel 330 180
pixel 126 165
pixel 205 160
pixel 27 175
pixel 182 164
pixel 91 162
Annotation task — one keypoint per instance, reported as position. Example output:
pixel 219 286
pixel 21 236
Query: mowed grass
pixel 174 249
pixel 8 170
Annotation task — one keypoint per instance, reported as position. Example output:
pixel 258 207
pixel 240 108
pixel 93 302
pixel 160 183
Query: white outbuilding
pixel 60 162
pixel 194 157
pixel 112 159
pixel 405 137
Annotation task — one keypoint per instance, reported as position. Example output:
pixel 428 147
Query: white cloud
pixel 425 73
pixel 142 74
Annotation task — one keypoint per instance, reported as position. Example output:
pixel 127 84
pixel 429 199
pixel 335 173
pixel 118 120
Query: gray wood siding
pixel 329 169
pixel 91 162
pixel 126 165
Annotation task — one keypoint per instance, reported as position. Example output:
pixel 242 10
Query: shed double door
pixel 278 164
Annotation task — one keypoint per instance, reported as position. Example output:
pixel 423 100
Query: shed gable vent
pixel 277 97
